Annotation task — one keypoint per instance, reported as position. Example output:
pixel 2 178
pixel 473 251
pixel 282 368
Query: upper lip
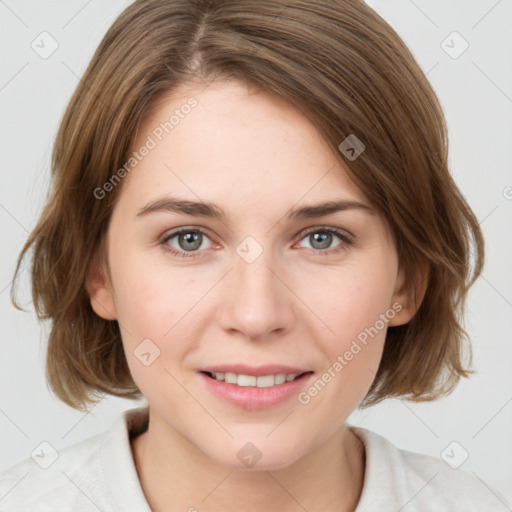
pixel 269 369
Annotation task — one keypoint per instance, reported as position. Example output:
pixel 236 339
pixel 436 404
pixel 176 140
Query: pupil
pixel 324 240
pixel 190 238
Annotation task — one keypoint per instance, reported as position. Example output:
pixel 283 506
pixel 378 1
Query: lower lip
pixel 254 398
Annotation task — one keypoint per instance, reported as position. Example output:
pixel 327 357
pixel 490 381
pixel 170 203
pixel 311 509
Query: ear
pixel 409 295
pixel 100 292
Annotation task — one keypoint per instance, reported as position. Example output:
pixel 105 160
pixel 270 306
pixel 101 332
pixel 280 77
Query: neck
pixel 175 475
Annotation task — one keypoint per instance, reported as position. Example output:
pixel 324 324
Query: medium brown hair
pixel 343 66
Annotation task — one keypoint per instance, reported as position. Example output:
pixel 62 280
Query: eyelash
pixel 346 241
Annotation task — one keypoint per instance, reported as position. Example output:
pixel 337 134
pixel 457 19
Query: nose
pixel 256 302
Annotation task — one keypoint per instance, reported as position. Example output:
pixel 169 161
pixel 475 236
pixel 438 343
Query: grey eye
pixel 322 239
pixel 188 241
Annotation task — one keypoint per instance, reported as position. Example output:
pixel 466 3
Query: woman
pixel 252 226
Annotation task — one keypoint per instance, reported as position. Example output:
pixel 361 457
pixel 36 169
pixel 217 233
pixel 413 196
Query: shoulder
pixel 52 478
pixel 85 476
pixel 404 480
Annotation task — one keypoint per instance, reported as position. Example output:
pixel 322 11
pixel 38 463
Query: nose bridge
pixel 258 303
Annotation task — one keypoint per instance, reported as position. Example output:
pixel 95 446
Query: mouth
pixel 254 388
pixel 258 381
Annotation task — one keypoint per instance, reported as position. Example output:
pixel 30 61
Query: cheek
pixel 352 353
pixel 148 295
pixel 356 307
pixel 152 313
pixel 354 302
pixel 142 303
pixel 167 306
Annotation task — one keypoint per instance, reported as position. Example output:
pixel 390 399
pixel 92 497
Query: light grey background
pixel 475 91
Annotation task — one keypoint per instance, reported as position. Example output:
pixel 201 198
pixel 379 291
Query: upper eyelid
pixel 312 229
pixel 176 231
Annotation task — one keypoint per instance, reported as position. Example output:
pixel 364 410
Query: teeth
pixel 247 380
pixel 263 381
pixel 280 378
pixel 230 378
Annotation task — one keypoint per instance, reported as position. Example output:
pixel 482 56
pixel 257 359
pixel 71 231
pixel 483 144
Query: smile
pixel 254 388
pixel 261 381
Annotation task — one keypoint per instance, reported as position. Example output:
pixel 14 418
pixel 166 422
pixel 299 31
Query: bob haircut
pixel 345 68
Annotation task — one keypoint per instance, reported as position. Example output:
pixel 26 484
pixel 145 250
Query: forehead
pixel 228 144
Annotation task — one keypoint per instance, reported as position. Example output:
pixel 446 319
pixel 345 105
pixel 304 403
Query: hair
pixel 345 68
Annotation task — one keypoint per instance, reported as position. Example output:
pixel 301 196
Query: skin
pixel 257 157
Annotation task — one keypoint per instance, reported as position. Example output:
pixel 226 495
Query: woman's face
pixel 267 287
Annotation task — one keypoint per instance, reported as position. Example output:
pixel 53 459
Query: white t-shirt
pixel 99 474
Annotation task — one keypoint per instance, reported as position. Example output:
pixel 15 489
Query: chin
pixel 257 456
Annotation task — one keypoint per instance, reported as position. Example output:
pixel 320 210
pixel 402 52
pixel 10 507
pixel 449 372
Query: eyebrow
pixel 206 209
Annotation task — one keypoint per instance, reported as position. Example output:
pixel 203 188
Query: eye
pixel 321 238
pixel 188 241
